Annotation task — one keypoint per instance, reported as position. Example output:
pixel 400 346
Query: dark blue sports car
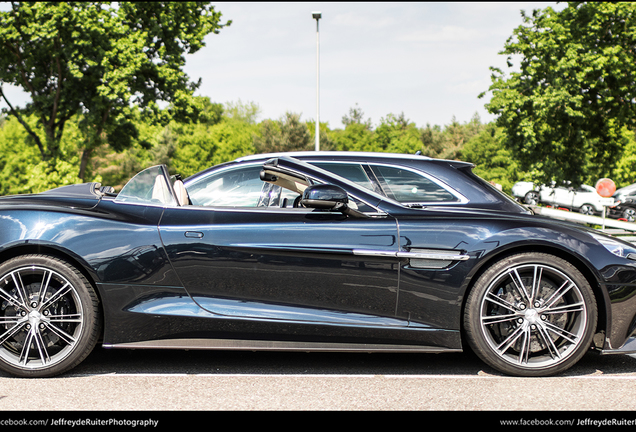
pixel 307 251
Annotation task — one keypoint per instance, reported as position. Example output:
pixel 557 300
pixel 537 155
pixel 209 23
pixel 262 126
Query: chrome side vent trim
pixel 432 259
pixel 420 258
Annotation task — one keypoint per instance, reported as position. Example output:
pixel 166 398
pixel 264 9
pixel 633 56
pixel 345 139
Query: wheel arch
pixel 629 211
pixel 20 249
pixel 602 301
pixel 532 193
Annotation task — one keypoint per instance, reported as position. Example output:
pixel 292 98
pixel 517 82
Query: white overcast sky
pixel 428 60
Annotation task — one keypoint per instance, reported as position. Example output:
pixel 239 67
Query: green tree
pixel 16 158
pixel 448 143
pixel 285 134
pixel 356 116
pixel 432 139
pixel 155 144
pixel 102 62
pixel 354 137
pixel 492 160
pixel 625 172
pixel 234 139
pixel 396 134
pixel 22 171
pixel 246 112
pixel 565 107
pixel 326 139
pixel 357 135
pixel 200 145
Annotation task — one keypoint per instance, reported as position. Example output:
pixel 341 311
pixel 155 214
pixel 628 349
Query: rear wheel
pixel 531 198
pixel 629 214
pixel 531 314
pixel 49 317
pixel 587 209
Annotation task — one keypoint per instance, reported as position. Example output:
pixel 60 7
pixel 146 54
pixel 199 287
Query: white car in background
pixel 583 198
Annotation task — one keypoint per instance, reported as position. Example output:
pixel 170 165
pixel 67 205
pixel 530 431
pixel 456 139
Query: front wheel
pixel 531 314
pixel 49 317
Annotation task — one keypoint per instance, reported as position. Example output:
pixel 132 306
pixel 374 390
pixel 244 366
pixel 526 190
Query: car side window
pixel 351 171
pixel 234 187
pixel 243 187
pixel 406 186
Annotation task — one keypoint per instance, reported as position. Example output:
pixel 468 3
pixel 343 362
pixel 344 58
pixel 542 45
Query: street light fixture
pixel 317 16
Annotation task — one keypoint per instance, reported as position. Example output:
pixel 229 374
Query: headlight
pixel 617 247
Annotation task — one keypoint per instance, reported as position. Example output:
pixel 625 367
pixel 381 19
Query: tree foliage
pixel 22 171
pixel 357 134
pixel 104 63
pixel 285 134
pixel 491 158
pixel 449 142
pixel 396 134
pixel 223 132
pixel 565 107
pixel 109 97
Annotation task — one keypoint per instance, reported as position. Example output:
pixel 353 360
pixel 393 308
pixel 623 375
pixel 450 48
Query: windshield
pixel 150 186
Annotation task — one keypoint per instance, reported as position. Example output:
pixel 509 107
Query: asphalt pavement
pixel 150 380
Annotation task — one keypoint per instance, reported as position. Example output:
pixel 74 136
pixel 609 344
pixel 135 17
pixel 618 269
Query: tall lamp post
pixel 317 16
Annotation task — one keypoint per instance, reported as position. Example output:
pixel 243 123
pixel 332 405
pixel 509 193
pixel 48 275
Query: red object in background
pixel 605 187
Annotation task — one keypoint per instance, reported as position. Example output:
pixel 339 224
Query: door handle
pixel 193 234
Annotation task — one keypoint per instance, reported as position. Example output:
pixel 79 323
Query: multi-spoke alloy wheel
pixel 531 315
pixel 48 316
pixel 629 214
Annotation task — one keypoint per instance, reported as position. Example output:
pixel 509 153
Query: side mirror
pixel 324 196
pixel 329 197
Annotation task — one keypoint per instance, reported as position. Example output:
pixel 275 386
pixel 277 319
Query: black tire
pixel 587 209
pixel 524 328
pixel 629 214
pixel 49 316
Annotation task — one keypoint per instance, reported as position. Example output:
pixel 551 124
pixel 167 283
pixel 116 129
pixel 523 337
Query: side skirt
pixel 260 345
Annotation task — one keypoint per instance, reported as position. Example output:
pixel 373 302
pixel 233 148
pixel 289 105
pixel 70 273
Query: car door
pixel 262 262
pixel 560 196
